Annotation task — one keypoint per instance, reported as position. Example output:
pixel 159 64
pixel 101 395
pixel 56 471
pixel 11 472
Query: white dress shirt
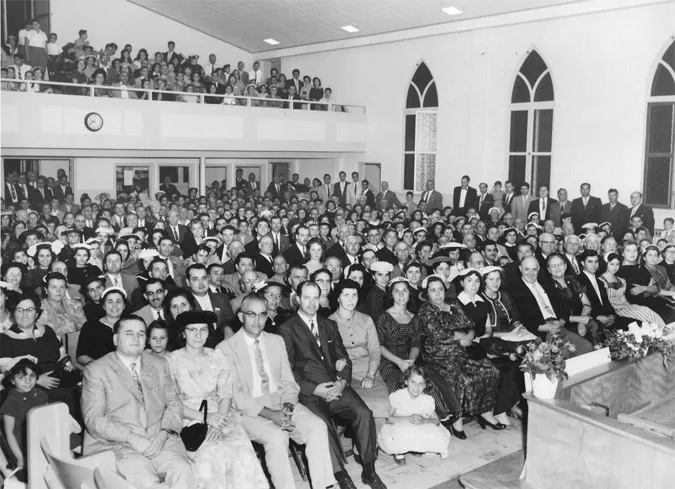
pixel 204 302
pixel 257 382
pixel 594 282
pixel 543 301
pixel 462 197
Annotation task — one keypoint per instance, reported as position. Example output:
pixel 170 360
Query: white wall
pixel 122 22
pixel 601 67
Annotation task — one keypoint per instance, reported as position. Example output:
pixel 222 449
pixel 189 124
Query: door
pixel 179 175
pixel 373 173
pixel 283 169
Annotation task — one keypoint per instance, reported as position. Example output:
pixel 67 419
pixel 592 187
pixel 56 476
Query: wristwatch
pixel 168 431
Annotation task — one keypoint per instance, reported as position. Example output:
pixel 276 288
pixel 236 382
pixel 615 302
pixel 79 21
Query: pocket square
pixel 329 341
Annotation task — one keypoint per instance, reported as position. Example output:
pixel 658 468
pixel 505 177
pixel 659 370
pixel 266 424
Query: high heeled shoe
pixel 459 434
pixel 482 422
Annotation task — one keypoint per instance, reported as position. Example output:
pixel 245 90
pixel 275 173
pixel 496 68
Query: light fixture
pixel 271 41
pixel 349 28
pixel 451 10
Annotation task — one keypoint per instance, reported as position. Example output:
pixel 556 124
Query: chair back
pixel 50 422
pixel 67 472
pixel 71 340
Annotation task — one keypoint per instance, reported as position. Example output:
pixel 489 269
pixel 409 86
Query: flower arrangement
pixel 546 357
pixel 638 342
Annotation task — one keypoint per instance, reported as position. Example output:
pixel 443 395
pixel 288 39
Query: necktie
pixel 426 196
pixel 574 265
pixel 260 365
pixel 543 206
pixel 303 252
pixel 327 190
pixel 159 315
pixel 175 233
pixel 276 242
pixel 543 302
pixel 480 204
pixel 137 379
pixel 12 190
pixel 315 333
pixel 117 282
pixel 355 189
pixel 42 192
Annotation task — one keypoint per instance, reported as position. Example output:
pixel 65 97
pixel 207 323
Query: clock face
pixel 93 121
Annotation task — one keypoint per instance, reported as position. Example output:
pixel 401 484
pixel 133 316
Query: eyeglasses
pixel 253 315
pixel 197 331
pixel 28 310
pixel 557 265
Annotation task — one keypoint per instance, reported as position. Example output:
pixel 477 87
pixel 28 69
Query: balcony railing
pixel 135 93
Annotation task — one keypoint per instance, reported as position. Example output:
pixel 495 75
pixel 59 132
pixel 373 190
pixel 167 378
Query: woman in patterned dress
pixel 447 332
pixel 226 459
pixel 616 292
pixel 399 337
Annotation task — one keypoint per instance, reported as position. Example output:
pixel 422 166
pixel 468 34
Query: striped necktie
pixel 260 366
pixel 137 379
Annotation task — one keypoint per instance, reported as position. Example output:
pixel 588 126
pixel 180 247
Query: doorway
pixel 281 168
pixel 179 175
pixel 373 173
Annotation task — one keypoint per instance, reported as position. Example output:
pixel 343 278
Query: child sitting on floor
pixel 412 425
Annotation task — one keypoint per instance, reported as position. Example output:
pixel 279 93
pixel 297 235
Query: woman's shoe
pixel 399 459
pixel 459 434
pixel 482 422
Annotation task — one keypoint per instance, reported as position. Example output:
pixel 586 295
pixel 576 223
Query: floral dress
pixel 473 383
pixel 62 323
pixel 616 292
pixel 231 462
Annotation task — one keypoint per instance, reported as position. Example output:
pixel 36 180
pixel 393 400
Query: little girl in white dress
pixel 412 425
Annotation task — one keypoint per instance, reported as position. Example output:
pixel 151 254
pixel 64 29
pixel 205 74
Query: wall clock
pixel 93 121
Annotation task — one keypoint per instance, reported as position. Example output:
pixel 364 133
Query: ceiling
pixel 246 23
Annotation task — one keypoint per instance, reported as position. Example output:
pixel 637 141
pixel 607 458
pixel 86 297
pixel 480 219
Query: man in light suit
pixel 112 266
pixel 433 198
pixel 130 407
pixel 484 202
pixel 560 207
pixel 341 189
pixel 520 204
pixel 314 346
pixel 268 398
pixel 354 189
pixel 326 190
pixel 386 199
pixel 154 293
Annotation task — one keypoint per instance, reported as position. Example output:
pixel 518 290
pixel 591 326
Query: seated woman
pixel 175 303
pixel 413 272
pixel 79 268
pixel 511 383
pixel 226 458
pixel 323 279
pixel 26 338
pixel 444 267
pixel 616 292
pixel 7 298
pixel 316 251
pixel 447 332
pixel 276 315
pixel 43 255
pixel 63 315
pixel 96 337
pixel 12 273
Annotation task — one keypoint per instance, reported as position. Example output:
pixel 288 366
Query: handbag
pixel 194 435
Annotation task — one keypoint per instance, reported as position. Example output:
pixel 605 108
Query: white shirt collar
pixel 308 320
pixel 127 363
pixel 464 298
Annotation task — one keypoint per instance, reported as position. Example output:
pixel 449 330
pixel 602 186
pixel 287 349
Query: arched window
pixel 531 124
pixel 658 181
pixel 420 130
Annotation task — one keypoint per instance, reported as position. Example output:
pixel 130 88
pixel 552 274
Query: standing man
pixel 341 189
pixel 543 205
pixel 432 198
pixel 275 188
pixel 463 198
pixel 169 188
pixel 367 193
pixel 11 191
pixel 326 190
pixel 354 190
pixel 585 208
pixel 130 406
pixel 561 207
pixel 314 347
pixel 641 210
pixel 268 399
pixel 36 46
pixel 520 204
pixel 61 189
pixel 239 182
pixel 484 202
pixel 251 186
pixel 295 81
pixel 386 198
pixel 614 212
pixel 508 196
pixel 210 67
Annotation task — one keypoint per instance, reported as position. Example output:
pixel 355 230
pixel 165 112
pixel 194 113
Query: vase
pixel 542 387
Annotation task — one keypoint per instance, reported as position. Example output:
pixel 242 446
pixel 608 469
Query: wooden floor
pixel 500 474
pixel 431 472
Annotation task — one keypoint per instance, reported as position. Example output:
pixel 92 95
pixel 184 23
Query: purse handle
pixel 204 405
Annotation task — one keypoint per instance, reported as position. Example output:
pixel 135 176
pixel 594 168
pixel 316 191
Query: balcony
pixel 34 120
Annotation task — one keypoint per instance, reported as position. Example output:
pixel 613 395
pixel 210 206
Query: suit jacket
pixel 434 201
pixel 617 217
pixel 558 209
pixel 73 208
pixel 325 193
pixel 118 93
pixel 484 208
pixel 294 83
pixel 272 189
pixel 8 194
pixel 534 207
pixel 391 198
pixel 263 266
pixel 58 192
pixel 248 187
pixel 182 232
pixel 236 350
pixel 598 307
pixel 112 407
pixel 647 215
pixel 530 314
pixel 508 200
pixel 339 252
pixel 148 314
pixel 129 283
pixel 519 208
pixel 469 201
pixel 296 105
pixel 581 215
pixel 35 197
pixel 294 256
pixel 337 191
pixel 284 242
pixel 370 197
pixel 221 307
pixel 313 365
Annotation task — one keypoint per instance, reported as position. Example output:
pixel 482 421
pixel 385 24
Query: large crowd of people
pixel 34 56
pixel 285 312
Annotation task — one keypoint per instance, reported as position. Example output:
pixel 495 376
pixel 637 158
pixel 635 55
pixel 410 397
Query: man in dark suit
pixel 314 348
pixel 542 205
pixel 341 189
pixel 295 82
pixel 349 253
pixel 169 188
pixel 386 199
pixel 175 231
pixel 512 270
pixel 296 254
pixel 463 197
pixel 264 260
pixel 543 314
pixel 62 188
pixel 276 188
pixel 281 240
pixel 12 192
pixel 585 208
pixel 484 202
pixel 641 210
pixel 171 53
pixel 251 186
pixel 197 280
pixel 508 196
pixel 239 182
pixel 367 193
pixel 614 212
pixel 560 207
pixel 292 97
